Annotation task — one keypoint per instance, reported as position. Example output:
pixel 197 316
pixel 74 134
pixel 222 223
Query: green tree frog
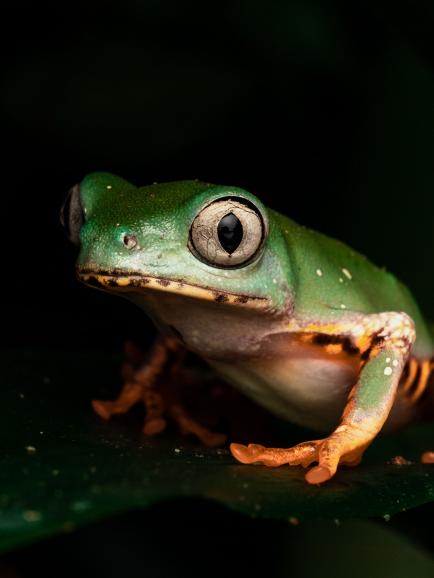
pixel 299 322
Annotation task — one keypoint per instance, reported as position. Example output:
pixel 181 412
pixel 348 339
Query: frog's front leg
pixel 384 342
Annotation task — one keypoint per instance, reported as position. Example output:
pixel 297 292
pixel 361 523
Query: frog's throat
pixel 135 282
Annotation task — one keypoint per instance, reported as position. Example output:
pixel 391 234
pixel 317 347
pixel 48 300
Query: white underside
pixel 296 381
pixel 305 390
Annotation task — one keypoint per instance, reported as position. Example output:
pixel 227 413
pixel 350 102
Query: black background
pixel 323 109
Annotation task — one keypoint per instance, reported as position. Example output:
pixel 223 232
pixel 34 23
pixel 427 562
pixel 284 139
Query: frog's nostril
pixel 130 241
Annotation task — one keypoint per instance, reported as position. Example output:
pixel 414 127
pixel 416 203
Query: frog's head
pixel 204 242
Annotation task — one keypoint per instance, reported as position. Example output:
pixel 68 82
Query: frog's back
pixel 330 276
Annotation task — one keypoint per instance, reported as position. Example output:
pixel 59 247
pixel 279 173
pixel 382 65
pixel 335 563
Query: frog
pixel 297 321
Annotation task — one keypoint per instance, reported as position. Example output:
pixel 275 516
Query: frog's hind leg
pixel 157 385
pixel 138 385
pixel 188 425
pixel 418 387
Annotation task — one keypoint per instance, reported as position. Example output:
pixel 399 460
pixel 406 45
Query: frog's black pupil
pixel 230 232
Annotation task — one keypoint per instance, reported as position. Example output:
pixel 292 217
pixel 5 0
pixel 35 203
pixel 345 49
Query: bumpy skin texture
pixel 305 301
pixel 160 217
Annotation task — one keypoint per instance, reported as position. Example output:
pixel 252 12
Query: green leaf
pixel 61 466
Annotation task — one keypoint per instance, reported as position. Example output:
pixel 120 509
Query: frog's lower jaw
pixel 121 282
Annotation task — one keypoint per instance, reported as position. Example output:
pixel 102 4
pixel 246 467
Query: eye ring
pixel 72 215
pixel 228 233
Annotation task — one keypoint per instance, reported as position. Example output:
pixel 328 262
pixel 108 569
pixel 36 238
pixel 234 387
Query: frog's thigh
pixel 385 340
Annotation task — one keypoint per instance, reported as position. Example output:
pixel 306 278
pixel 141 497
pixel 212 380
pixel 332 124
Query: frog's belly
pixel 310 391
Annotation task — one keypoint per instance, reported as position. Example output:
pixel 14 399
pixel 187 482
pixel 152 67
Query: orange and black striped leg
pixel 414 385
pixel 155 422
pixel 130 394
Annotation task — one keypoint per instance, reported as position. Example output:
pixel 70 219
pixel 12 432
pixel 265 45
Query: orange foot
pixel 329 453
pixel 427 458
pixel 146 385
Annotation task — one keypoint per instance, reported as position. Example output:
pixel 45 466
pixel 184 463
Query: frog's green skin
pixel 258 324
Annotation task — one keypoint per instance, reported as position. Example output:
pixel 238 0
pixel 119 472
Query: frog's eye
pixel 228 233
pixel 71 215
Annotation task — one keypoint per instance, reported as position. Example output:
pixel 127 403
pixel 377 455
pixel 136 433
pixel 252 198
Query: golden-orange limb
pixel 189 425
pixel 130 394
pixel 411 375
pixel 427 458
pixel 274 457
pixel 425 371
pixel 133 391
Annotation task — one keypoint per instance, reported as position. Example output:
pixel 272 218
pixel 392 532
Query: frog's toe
pixel 154 426
pixel 274 457
pixel 427 458
pixel 103 408
pixel 247 454
pixel 213 439
pixel 336 450
pixel 318 475
pixel 190 426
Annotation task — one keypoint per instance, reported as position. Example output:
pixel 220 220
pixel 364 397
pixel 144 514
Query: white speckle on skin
pixel 347 273
pixel 388 360
pixel 275 281
pixel 388 371
pixel 343 306
pixel 319 272
pixel 341 280
pixel 109 186
pixel 395 363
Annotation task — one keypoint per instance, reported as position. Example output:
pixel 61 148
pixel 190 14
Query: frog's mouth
pixel 119 281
